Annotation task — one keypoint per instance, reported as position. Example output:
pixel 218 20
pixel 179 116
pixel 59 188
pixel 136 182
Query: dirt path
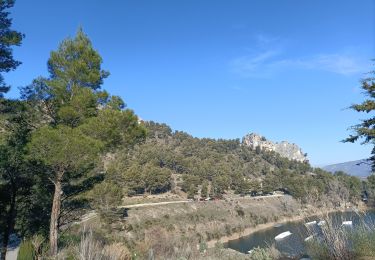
pixel 154 204
pixel 187 201
pixel 92 214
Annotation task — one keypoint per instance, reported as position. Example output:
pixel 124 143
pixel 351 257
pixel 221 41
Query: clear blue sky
pixel 284 69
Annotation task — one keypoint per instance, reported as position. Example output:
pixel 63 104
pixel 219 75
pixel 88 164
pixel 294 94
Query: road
pixel 92 214
pixel 154 204
pixel 187 201
pixel 12 253
pixel 13 247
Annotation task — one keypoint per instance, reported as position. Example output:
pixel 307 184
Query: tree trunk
pixel 8 229
pixel 55 214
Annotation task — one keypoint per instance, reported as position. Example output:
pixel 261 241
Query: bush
pixel 364 242
pixel 316 250
pixel 240 212
pixel 26 251
pixel 259 253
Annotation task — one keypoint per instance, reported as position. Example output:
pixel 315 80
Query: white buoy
pixel 347 223
pixel 283 235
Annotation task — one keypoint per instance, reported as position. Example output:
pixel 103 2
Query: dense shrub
pixel 26 251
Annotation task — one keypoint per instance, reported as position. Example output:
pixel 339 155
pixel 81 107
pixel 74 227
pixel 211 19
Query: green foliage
pixel 224 165
pixel 353 184
pixel 366 130
pixel 8 39
pixel 114 127
pixel 334 242
pixel 106 196
pixel 259 253
pixel 76 123
pixel 26 251
pixel 317 250
pixel 77 64
pixel 220 184
pixel 190 183
pixel 64 149
pixel 16 172
pixel 156 179
pixel 147 178
pixel 204 190
pixel 364 243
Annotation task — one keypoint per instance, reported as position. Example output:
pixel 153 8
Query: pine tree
pixel 8 39
pixel 366 129
pixel 14 171
pixel 77 120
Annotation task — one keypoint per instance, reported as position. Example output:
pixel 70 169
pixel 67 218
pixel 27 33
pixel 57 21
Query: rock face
pixel 285 149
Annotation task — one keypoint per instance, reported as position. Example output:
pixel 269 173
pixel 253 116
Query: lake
pixel 293 244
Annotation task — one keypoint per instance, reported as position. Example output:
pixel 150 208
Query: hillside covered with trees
pixel 168 160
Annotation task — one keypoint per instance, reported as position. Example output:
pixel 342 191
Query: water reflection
pixel 295 243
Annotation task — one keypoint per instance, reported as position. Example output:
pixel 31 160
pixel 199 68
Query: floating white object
pixel 321 223
pixel 310 223
pixel 308 238
pixel 250 251
pixel 282 235
pixel 347 223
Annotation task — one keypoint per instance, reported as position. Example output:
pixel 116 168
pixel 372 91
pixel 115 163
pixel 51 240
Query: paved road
pixel 12 253
pixel 13 248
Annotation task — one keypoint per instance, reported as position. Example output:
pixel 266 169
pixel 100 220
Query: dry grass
pixel 90 248
pixel 168 196
pixel 180 231
pixel 338 242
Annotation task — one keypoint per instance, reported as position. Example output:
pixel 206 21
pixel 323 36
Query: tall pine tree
pixel 8 39
pixel 77 120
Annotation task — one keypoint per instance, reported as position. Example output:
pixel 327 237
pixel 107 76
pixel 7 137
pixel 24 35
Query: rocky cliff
pixel 285 149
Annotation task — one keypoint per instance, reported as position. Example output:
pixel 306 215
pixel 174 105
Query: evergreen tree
pixel 366 129
pixel 14 171
pixel 76 120
pixel 8 39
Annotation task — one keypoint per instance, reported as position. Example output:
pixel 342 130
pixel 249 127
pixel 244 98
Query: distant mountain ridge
pixel 359 168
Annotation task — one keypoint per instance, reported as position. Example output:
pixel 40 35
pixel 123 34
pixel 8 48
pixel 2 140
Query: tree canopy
pixel 75 120
pixel 8 39
pixel 366 129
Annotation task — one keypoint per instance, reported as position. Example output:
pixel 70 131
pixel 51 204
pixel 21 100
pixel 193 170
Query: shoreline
pixel 250 230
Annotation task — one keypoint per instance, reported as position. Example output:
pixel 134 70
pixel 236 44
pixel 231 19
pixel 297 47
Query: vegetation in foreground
pixel 67 146
pixel 341 242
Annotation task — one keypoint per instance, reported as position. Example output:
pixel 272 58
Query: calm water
pixel 293 244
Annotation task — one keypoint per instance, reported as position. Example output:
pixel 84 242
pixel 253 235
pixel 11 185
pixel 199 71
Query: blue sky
pixel 284 69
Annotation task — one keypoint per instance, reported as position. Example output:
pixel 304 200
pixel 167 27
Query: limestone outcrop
pixel 284 148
